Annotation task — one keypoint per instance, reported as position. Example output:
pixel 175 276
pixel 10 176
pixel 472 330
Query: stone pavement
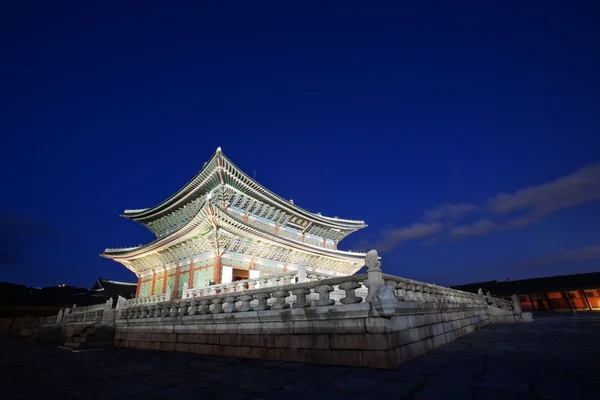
pixel 557 357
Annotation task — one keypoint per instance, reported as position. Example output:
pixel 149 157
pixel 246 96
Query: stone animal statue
pixel 372 260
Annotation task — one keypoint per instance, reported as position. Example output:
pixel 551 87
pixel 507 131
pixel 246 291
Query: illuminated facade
pixel 223 226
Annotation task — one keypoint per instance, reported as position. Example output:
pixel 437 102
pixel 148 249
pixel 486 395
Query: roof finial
pixel 219 149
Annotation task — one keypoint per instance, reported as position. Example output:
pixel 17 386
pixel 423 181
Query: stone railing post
pixel 168 293
pixel 381 296
pixel 302 275
pixel 324 299
pixel 217 306
pixel 246 299
pixel 350 288
pixel 280 296
pixel 193 307
pixel 301 301
pixel 262 301
pixel 205 306
pixel 230 304
pixel 516 304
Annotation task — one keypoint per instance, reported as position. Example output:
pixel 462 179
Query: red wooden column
pixel 137 290
pixel 191 280
pixel 217 270
pixel 585 299
pixel 153 283
pixel 164 285
pixel 176 284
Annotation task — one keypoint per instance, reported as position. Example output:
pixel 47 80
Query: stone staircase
pixel 86 340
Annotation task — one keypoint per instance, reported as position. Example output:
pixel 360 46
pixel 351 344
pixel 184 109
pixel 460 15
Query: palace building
pixel 223 226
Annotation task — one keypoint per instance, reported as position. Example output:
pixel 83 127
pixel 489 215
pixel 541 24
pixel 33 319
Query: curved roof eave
pixel 230 221
pixel 196 182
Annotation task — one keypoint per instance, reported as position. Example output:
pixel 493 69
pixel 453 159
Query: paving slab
pixel 557 357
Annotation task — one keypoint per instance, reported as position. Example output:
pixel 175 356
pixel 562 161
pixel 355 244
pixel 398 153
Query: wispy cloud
pixel 480 227
pixel 580 187
pixel 502 211
pixel 393 237
pixel 563 257
pixel 450 211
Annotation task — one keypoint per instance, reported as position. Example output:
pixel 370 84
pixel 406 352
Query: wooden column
pixel 176 284
pixel 217 270
pixel 585 299
pixel 191 280
pixel 153 283
pixel 137 290
pixel 532 303
pixel 164 285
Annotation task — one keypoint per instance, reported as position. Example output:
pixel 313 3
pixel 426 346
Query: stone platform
pixel 555 357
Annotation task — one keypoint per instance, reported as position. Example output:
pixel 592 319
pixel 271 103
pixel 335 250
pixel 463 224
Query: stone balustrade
pixel 309 294
pixel 83 317
pixel 286 278
pixel 157 298
pixel 95 307
pixel 41 321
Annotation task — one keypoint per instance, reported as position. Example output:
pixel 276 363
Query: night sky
pixel 466 137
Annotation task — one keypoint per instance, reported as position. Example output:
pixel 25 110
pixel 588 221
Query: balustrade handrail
pixel 157 298
pixel 278 297
pixel 93 307
pixel 243 285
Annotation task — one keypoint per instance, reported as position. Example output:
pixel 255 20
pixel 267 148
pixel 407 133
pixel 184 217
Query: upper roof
pixel 219 170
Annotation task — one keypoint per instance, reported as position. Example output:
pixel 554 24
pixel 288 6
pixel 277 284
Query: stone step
pixel 75 345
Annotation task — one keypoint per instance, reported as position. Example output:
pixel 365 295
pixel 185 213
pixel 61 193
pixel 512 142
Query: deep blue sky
pixel 378 113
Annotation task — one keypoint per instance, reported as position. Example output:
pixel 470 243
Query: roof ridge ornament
pixel 219 149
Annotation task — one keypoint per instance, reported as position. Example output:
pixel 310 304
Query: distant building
pixel 113 289
pixel 555 293
pixel 20 300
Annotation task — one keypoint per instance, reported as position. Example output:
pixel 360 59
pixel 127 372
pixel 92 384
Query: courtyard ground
pixel 556 357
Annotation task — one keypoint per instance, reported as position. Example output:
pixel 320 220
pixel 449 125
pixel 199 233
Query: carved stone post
pixel 280 296
pixel 168 293
pixel 246 299
pixel 324 299
pixel 516 304
pixel 182 308
pixel 350 288
pixel 59 317
pixel 262 301
pixel 302 275
pixel 230 301
pixel 193 307
pixel 204 306
pixel 381 296
pixel 218 306
pixel 173 310
pixel 165 310
pixel 301 298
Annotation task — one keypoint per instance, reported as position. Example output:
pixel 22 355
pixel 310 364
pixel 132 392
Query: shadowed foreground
pixel 557 357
